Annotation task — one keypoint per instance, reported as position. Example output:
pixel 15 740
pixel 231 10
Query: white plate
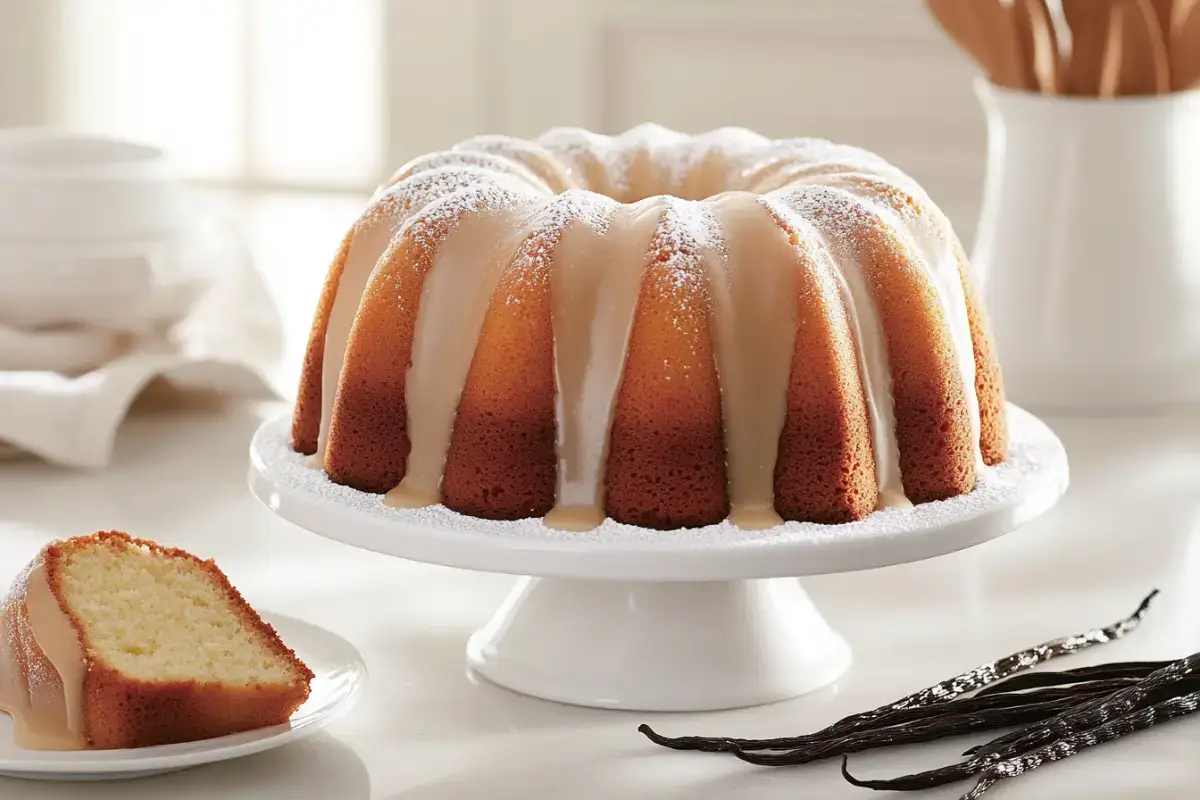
pixel 340 676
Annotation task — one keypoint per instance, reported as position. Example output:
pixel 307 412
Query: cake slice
pixel 112 642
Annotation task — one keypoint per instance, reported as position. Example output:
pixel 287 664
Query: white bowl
pixel 60 186
pixel 121 286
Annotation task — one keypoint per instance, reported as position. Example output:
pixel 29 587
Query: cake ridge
pixel 916 227
pixel 451 159
pixel 594 292
pixel 870 345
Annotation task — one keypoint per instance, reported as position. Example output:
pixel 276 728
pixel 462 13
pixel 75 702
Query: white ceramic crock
pixel 62 186
pixel 95 231
pixel 1089 247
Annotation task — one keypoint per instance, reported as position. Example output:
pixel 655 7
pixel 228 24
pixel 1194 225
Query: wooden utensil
pixel 1040 51
pixel 1088 21
pixel 1135 56
pixel 1184 45
pixel 987 31
pixel 1164 12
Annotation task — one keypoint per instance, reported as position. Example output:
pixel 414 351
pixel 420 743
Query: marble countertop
pixel 427 729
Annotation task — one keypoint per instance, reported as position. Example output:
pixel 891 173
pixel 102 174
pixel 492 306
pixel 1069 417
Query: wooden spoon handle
pixel 1184 45
pixel 1135 59
pixel 1039 44
pixel 961 24
pixel 1088 21
pixel 1004 35
pixel 985 30
pixel 1164 12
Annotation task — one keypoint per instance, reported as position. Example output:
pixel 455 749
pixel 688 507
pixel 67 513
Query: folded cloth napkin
pixel 229 342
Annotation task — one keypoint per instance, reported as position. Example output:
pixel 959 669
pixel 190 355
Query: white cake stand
pixel 697 619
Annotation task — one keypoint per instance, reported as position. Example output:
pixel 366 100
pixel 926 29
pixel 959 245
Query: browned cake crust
pixel 666 461
pixel 502 463
pixel 424 179
pixel 306 418
pixel 368 432
pixel 933 426
pixel 121 712
pixel 989 383
pixel 825 467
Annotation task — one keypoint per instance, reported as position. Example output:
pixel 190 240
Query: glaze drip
pixel 42 666
pixel 454 301
pixel 753 273
pixel 594 286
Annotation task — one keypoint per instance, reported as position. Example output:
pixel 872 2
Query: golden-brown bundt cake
pixel 663 329
pixel 113 642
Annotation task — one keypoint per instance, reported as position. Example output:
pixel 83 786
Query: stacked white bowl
pixel 100 244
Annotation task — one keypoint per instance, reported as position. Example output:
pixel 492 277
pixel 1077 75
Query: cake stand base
pixel 659 646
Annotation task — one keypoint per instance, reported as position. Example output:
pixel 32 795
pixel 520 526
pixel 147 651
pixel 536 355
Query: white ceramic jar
pixel 96 231
pixel 1089 247
pixel 61 186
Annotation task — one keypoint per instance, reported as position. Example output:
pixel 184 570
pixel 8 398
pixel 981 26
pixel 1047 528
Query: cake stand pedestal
pixel 691 620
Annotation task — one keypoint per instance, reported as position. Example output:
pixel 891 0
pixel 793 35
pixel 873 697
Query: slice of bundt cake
pixel 113 642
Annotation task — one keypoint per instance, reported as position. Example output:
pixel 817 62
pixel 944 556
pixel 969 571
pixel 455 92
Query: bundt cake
pixel 112 642
pixel 664 329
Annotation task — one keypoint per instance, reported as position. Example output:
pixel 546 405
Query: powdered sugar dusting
pixel 1029 481
pixel 531 155
pixel 590 158
pixel 726 151
pixel 794 158
pixel 841 216
pixel 576 205
pixel 545 229
pixel 466 158
pixel 425 187
pixel 688 229
pixel 437 220
pixel 650 160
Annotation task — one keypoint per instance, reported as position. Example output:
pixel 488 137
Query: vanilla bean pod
pixel 1146 694
pixel 939 693
pixel 1099 687
pixel 1096 712
pixel 960 707
pixel 1032 680
pixel 1081 717
pixel 1065 748
pixel 921 730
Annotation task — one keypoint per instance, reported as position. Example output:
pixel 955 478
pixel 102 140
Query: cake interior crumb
pixel 160 618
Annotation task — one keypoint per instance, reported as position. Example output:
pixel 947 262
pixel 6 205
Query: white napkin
pixel 230 343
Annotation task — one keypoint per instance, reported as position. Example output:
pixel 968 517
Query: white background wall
pixel 876 73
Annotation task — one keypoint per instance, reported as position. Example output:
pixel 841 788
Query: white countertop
pixel 426 729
